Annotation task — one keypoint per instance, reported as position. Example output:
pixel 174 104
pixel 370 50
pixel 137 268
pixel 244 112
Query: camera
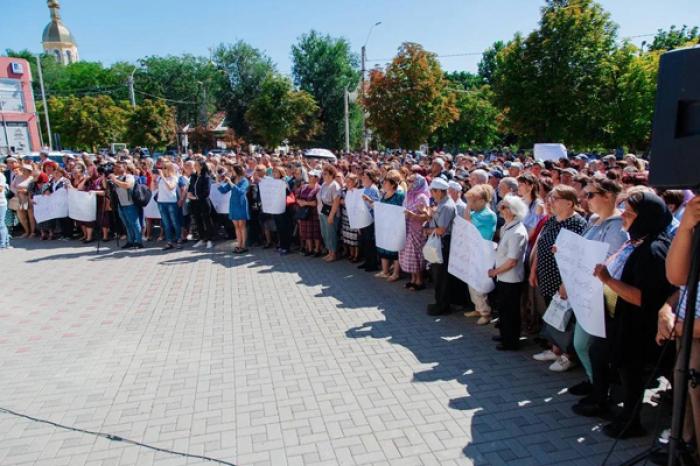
pixel 106 169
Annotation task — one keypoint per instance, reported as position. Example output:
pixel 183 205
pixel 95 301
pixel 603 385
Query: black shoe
pixel 588 407
pixel 503 347
pixel 138 246
pixel 435 310
pixel 624 429
pixel 362 266
pixel 128 246
pixel 581 389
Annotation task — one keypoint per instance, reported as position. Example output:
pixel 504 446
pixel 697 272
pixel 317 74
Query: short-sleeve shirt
pixel 513 245
pixel 485 221
pixel 444 215
pixel 608 231
pixel 328 193
pixel 123 194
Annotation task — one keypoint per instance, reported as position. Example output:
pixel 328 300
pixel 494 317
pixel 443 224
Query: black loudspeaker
pixel 675 141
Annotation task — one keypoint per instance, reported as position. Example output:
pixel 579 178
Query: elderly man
pixel 440 223
pixel 478 176
pixel 454 190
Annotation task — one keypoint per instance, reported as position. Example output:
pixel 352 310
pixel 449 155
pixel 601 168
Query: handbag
pixel 326 209
pixel 291 199
pixel 302 213
pixel 432 250
pixel 558 313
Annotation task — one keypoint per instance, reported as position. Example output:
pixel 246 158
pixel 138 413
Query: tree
pixel 324 66
pixel 279 112
pixel 675 38
pixel 151 124
pixel 88 122
pixel 244 69
pixel 410 100
pixel 552 84
pixel 201 138
pixel 477 125
pixel 183 81
pixel 464 80
pixel 487 65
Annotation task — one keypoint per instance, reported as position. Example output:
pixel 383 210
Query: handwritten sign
pixel 52 206
pixel 358 213
pixel 471 256
pixel 82 206
pixel 576 258
pixel 390 226
pixel 219 201
pixel 273 194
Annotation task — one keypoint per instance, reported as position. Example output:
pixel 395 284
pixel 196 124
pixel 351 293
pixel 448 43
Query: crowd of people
pixel 512 199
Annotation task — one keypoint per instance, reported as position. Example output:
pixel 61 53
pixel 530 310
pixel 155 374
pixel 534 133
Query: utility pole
pixel 43 99
pixel 132 95
pixel 347 120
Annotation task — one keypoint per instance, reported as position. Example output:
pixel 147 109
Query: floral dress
pixel 411 256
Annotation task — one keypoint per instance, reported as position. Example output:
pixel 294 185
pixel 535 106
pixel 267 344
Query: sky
pixel 116 30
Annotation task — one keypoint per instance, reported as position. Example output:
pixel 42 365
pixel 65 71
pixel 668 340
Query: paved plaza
pixel 262 359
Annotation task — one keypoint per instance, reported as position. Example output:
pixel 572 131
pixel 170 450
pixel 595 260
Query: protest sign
pixel 273 195
pixel 471 256
pixel 576 258
pixel 550 152
pixel 390 226
pixel 358 212
pixel 82 206
pixel 52 206
pixel 218 200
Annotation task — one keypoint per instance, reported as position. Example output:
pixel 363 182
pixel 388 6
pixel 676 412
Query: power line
pixel 165 99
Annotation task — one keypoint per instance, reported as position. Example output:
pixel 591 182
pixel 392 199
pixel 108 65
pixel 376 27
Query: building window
pixel 11 96
pixel 69 57
pixel 57 54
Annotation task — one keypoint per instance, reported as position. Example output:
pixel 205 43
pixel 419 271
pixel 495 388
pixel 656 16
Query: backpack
pixel 140 195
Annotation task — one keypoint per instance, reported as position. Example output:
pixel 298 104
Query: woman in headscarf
pixel 307 216
pixel 411 256
pixel 635 285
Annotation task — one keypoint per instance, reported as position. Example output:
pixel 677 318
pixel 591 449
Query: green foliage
pixel 324 66
pixel 244 69
pixel 279 112
pixel 552 83
pixel 487 65
pixel 151 124
pixel 675 38
pixel 477 125
pixel 410 100
pixel 464 80
pixel 88 122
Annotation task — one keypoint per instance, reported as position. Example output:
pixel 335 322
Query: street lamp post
pixel 362 90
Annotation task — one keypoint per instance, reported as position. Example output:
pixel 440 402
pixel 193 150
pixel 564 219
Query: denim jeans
pixel 329 232
pixel 170 220
pixel 130 218
pixel 4 233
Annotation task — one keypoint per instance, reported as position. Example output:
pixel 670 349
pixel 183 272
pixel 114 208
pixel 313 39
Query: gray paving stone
pixel 262 359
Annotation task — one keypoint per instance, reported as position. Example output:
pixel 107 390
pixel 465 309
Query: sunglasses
pixel 592 194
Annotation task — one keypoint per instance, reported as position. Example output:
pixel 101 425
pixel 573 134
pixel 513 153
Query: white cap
pixel 439 184
pixel 455 186
pixel 315 173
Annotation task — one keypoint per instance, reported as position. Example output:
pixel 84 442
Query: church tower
pixel 57 39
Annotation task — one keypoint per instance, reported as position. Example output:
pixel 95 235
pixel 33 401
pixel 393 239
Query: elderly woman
pixel 350 235
pixel 544 273
pixel 83 182
pixel 238 211
pixel 479 213
pixel 329 207
pixel 55 182
pixel 605 225
pixel 22 186
pixel 370 194
pixel 509 271
pixel 635 280
pixel 391 195
pixel 440 223
pixel 411 256
pixel 307 216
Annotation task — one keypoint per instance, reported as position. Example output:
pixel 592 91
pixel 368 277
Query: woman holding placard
pixel 390 259
pixel 283 221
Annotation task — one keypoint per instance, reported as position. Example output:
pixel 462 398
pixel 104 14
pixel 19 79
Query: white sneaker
pixel 210 245
pixel 562 364
pixel 483 320
pixel 547 355
pixel 198 244
pixel 189 237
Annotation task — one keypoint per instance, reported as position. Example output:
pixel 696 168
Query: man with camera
pixel 123 184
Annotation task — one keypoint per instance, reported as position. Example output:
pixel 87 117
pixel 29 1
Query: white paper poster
pixel 151 210
pixel 390 226
pixel 576 258
pixel 471 256
pixel 549 152
pixel 218 200
pixel 273 194
pixel 52 206
pixel 82 206
pixel 358 213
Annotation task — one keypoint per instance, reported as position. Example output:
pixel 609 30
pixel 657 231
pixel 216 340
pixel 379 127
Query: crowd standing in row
pixel 520 203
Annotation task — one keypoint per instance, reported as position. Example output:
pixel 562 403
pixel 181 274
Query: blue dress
pixel 238 205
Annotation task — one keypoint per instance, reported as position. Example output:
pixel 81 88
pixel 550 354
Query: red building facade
pixel 19 129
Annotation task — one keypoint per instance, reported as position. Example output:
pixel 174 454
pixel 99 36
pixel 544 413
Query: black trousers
pixel 508 305
pixel 369 246
pixel 441 279
pixel 201 212
pixel 285 228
